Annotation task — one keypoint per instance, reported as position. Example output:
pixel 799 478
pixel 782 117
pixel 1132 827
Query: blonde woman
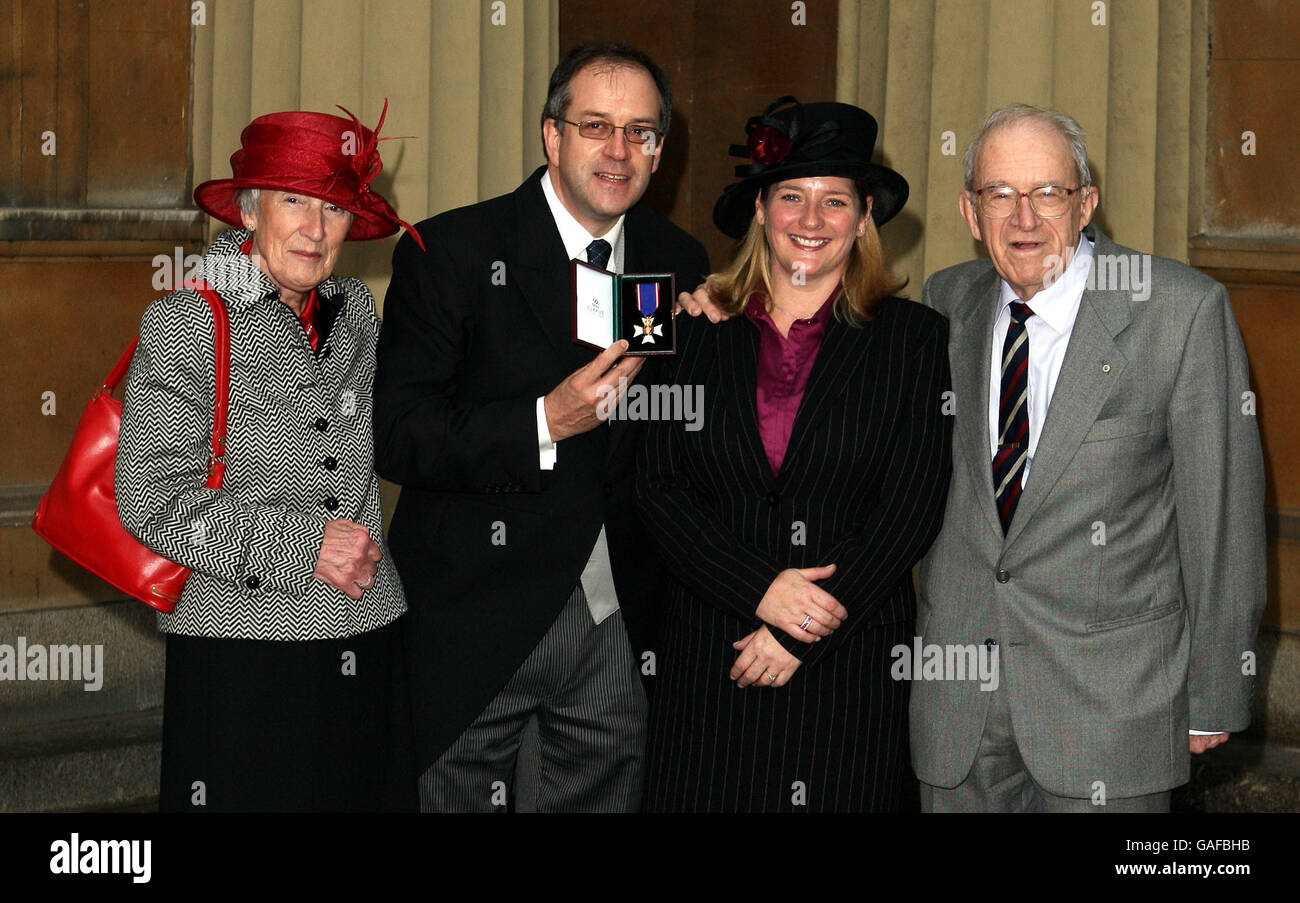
pixel 790 523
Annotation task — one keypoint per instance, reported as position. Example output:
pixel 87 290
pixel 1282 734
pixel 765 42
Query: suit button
pixel 321 424
pixel 330 463
pixel 325 352
pixel 609 488
pixel 252 582
pixel 1003 575
pixel 330 502
pixel 773 499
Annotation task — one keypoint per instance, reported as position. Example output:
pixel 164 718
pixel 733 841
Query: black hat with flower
pixel 802 140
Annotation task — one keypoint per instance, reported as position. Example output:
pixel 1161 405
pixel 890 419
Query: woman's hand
pixel 762 661
pixel 348 558
pixel 699 302
pixel 800 607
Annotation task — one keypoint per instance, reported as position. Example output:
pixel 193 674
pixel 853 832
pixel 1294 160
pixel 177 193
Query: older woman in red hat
pixel 285 684
pixel 791 520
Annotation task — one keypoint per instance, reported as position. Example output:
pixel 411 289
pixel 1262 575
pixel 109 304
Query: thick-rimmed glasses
pixel 600 130
pixel 1047 201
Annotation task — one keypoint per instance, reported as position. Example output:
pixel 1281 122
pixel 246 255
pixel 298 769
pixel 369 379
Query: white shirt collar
pixel 574 234
pixel 1058 304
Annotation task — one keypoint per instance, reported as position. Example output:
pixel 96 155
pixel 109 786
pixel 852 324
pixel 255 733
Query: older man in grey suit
pixel 1104 531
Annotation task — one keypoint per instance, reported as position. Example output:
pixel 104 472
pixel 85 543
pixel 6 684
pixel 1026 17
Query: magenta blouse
pixel 784 365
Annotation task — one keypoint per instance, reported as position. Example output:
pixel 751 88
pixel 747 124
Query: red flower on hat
pixel 768 145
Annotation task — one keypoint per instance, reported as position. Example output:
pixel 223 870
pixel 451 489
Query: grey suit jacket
pixel 1130 586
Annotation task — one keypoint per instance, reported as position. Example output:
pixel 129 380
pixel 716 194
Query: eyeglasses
pixel 600 130
pixel 1047 201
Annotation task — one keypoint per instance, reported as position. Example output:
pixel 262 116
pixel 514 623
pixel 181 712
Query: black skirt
pixel 270 726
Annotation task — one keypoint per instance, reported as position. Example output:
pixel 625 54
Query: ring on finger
pixel 370 581
pixel 807 619
pixel 771 677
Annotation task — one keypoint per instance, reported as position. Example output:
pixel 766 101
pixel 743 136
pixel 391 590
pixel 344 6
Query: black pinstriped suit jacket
pixel 863 485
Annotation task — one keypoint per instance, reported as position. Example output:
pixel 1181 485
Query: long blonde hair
pixel 867 282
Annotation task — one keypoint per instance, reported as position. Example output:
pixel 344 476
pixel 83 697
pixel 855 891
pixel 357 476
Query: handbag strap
pixel 221 405
pixel 119 370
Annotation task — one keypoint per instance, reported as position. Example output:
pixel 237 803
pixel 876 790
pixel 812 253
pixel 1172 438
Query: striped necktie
pixel 1013 416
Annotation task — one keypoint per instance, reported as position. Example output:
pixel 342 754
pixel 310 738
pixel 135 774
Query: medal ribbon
pixel 647 298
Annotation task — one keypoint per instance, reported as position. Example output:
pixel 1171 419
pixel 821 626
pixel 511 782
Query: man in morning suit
pixel 516 534
pixel 1105 524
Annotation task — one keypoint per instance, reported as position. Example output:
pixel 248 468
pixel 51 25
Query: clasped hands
pixel 348 559
pixel 796 604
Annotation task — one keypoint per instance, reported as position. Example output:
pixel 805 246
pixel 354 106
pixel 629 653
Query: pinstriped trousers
pixel 581 682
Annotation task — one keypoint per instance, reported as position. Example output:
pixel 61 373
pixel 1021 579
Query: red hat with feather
pixel 317 154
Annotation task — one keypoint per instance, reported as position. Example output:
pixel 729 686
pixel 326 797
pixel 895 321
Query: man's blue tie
pixel 1013 416
pixel 598 253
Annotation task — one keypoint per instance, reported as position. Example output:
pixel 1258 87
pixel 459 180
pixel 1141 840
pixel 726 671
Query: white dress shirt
pixel 1048 330
pixel 598 575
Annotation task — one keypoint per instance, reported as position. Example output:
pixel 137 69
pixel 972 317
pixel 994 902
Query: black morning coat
pixel 488 545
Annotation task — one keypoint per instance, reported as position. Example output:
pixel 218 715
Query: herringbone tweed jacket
pixel 299 453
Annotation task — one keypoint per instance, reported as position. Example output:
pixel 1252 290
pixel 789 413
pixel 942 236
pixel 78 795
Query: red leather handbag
pixel 78 513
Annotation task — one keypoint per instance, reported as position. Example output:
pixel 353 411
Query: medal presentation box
pixel 634 306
